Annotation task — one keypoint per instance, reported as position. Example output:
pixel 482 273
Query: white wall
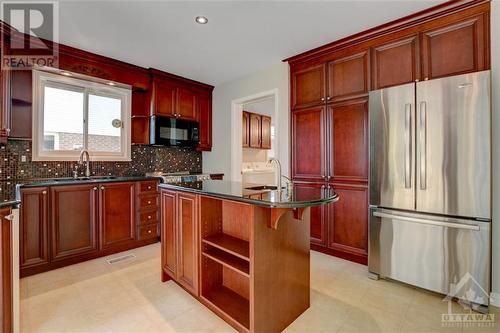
pixel 275 77
pixel 495 65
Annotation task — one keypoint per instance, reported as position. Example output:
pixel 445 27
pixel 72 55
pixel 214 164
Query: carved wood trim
pixel 277 213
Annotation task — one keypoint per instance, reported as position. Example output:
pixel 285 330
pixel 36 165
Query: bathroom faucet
pixel 87 168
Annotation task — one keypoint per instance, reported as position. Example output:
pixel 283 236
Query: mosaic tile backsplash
pixel 144 159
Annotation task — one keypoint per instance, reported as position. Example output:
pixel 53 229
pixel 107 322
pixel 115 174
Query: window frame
pixel 88 86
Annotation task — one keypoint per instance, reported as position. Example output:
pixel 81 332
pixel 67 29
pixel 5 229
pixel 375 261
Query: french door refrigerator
pixel 430 185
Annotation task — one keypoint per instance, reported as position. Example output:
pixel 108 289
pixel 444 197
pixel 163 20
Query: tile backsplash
pixel 14 170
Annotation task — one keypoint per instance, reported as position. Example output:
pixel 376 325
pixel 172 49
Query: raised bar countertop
pixel 267 198
pixel 82 180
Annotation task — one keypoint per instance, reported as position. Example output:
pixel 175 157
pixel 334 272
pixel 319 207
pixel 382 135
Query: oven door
pixel 167 131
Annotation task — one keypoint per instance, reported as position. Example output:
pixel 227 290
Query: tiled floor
pixel 129 297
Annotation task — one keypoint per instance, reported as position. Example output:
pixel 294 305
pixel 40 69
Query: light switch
pixel 23 158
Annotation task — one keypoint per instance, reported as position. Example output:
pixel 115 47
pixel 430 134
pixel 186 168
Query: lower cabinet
pixel 6 278
pixel 179 238
pixel 63 225
pixel 340 228
pixel 73 221
pixel 116 212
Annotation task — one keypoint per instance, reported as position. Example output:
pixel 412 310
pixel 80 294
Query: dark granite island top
pixel 295 198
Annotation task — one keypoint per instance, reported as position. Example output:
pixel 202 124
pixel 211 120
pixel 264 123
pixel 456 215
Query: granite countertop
pixel 9 203
pixel 264 197
pixel 83 180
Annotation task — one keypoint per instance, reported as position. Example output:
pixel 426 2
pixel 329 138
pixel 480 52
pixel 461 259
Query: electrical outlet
pixel 23 158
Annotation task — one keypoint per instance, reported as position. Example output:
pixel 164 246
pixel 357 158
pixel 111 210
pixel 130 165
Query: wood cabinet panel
pixel 255 130
pixel 116 215
pixel 187 249
pixel 205 122
pixel 20 116
pixel 455 48
pixel 348 140
pixel 186 104
pixel 348 220
pixel 34 243
pixel 6 277
pixel 164 97
pixel 308 86
pixel 5 105
pixel 73 224
pixel 246 129
pixel 265 132
pixel 318 215
pixel 396 62
pixel 348 77
pixel 308 144
pixel 168 232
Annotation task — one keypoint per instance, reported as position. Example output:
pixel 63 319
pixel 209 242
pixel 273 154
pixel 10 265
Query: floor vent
pixel 118 259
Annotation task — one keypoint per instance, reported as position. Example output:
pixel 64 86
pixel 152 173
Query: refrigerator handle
pixel 408 145
pixel 423 145
pixel 429 222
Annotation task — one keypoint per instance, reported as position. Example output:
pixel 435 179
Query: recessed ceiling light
pixel 201 20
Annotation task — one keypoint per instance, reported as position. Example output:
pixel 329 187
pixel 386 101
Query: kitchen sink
pixel 262 188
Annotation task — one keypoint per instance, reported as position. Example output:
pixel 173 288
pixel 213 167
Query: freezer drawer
pixel 431 252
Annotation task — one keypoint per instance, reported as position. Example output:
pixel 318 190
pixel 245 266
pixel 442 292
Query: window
pixel 76 113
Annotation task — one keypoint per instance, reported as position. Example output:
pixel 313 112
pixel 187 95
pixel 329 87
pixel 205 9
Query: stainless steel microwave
pixel 165 131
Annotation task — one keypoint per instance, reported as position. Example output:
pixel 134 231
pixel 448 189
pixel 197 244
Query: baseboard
pixel 495 299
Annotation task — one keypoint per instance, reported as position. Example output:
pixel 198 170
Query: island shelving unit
pixel 251 259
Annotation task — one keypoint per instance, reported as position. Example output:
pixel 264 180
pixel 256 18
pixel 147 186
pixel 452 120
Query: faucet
pixel 87 168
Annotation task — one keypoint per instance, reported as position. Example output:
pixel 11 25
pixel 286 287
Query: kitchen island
pixel 243 251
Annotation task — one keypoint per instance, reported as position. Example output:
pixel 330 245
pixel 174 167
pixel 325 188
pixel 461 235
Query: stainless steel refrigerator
pixel 430 185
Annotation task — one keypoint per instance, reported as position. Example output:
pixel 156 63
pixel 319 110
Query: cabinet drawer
pixel 148 201
pixel 148 217
pixel 148 231
pixel 148 186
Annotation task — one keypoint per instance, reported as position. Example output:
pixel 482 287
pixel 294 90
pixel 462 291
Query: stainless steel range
pixel 177 177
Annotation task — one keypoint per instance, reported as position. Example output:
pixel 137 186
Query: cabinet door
pixel 396 62
pixel 308 144
pixel 265 132
pixel 187 235
pixel 34 236
pixel 348 77
pixel 164 93
pixel 348 220
pixel 186 104
pixel 348 140
pixel 255 130
pixel 73 221
pixel 455 49
pixel 308 86
pixel 20 116
pixel 5 103
pixel 246 129
pixel 168 232
pixel 318 213
pixel 6 278
pixel 205 122
pixel 116 215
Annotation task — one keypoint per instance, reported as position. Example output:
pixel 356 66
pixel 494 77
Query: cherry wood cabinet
pixel 455 48
pixel 308 86
pixel 179 220
pixel 205 122
pixel 348 77
pixel 348 140
pixel 246 129
pixel 73 221
pixel 34 228
pixel 318 218
pixel 5 95
pixel 265 132
pixel 309 144
pixel 254 130
pixel 186 104
pixel 6 277
pixel 396 62
pixel 116 215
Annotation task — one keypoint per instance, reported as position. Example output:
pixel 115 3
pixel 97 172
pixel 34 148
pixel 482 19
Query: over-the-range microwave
pixel 166 131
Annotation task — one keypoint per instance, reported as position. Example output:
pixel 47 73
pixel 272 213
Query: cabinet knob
pixel 149 217
pixel 102 187
pixel 426 79
pixel 95 188
pixel 150 231
pixel 149 202
pixel 328 98
pixel 322 99
pixel 149 187
pixel 44 192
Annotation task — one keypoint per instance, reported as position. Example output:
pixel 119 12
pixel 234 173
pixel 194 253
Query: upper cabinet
pixel 186 104
pixel 256 131
pixel 246 129
pixel 308 86
pixel 455 48
pixel 396 62
pixel 265 132
pixel 348 77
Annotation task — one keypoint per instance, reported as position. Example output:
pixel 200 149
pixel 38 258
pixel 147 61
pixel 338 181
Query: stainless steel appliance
pixel 168 131
pixel 178 177
pixel 430 185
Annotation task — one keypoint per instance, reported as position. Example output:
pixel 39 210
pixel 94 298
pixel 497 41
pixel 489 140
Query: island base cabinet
pixel 6 278
pixel 254 262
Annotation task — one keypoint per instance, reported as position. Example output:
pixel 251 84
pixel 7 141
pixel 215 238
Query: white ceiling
pixel 241 37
